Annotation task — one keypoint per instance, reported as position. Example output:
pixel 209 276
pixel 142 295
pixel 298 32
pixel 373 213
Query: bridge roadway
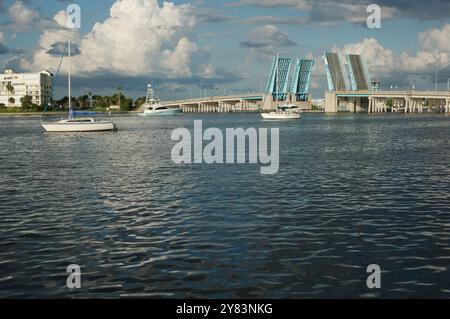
pixel 220 104
pixel 377 101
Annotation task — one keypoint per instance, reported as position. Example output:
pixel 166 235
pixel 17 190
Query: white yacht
pixel 153 106
pixel 284 112
pixel 73 124
pixel 281 115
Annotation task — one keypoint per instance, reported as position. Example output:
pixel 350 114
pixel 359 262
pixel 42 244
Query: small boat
pixel 153 106
pixel 73 124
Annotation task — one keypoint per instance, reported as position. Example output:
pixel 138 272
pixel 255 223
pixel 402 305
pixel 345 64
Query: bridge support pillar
pixel 407 105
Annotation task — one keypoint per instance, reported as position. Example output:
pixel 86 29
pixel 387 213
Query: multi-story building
pixel 14 86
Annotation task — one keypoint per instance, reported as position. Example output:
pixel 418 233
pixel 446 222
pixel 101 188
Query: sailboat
pixel 77 124
pixel 285 112
pixel 153 106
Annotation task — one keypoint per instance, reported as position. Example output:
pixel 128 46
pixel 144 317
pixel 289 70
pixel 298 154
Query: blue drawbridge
pixel 278 85
pixel 278 81
pixel 302 79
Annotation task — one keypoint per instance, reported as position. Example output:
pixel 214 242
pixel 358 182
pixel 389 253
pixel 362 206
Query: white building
pixel 36 85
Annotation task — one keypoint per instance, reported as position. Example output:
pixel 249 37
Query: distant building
pixel 14 86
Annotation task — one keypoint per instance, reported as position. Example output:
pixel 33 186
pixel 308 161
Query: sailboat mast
pixel 69 81
pixel 276 82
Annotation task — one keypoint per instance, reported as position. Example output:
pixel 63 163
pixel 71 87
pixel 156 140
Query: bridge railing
pixel 213 98
pixel 389 92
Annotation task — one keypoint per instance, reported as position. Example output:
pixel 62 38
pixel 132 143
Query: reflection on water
pixel 351 191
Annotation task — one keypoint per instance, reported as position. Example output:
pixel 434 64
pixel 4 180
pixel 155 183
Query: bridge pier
pixel 408 106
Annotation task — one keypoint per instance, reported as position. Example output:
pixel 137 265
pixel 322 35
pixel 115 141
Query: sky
pixel 189 48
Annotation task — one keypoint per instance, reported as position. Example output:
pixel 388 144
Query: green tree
pixel 10 89
pixel 27 102
pixel 141 101
pixel 389 103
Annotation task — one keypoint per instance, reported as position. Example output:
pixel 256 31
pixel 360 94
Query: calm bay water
pixel 351 191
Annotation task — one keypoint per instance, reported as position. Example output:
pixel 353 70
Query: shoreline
pixel 55 113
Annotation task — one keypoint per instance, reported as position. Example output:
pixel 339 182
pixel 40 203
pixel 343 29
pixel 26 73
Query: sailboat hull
pixel 79 127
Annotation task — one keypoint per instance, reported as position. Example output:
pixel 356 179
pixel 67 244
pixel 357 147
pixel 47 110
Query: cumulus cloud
pixel 21 15
pixel 434 53
pixel 438 39
pixel 267 38
pixel 139 38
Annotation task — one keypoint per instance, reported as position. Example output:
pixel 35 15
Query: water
pixel 351 191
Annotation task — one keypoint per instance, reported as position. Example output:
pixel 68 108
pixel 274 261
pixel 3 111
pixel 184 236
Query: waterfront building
pixel 14 86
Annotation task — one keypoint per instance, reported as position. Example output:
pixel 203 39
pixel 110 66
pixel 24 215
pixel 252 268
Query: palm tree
pixel 10 89
pixel 120 96
pixel 90 100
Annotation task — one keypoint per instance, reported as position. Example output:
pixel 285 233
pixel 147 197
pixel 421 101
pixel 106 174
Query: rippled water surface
pixel 351 191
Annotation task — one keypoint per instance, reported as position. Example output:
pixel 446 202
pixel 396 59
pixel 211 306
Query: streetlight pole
pixel 436 80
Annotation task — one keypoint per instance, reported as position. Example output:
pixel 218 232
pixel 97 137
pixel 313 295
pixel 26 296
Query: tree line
pixel 116 102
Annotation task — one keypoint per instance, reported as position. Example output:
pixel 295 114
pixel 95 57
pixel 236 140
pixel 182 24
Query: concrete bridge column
pixel 407 105
pixel 447 106
pixel 414 106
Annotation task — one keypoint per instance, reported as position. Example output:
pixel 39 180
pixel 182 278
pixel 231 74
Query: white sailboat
pixel 72 124
pixel 153 106
pixel 285 112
